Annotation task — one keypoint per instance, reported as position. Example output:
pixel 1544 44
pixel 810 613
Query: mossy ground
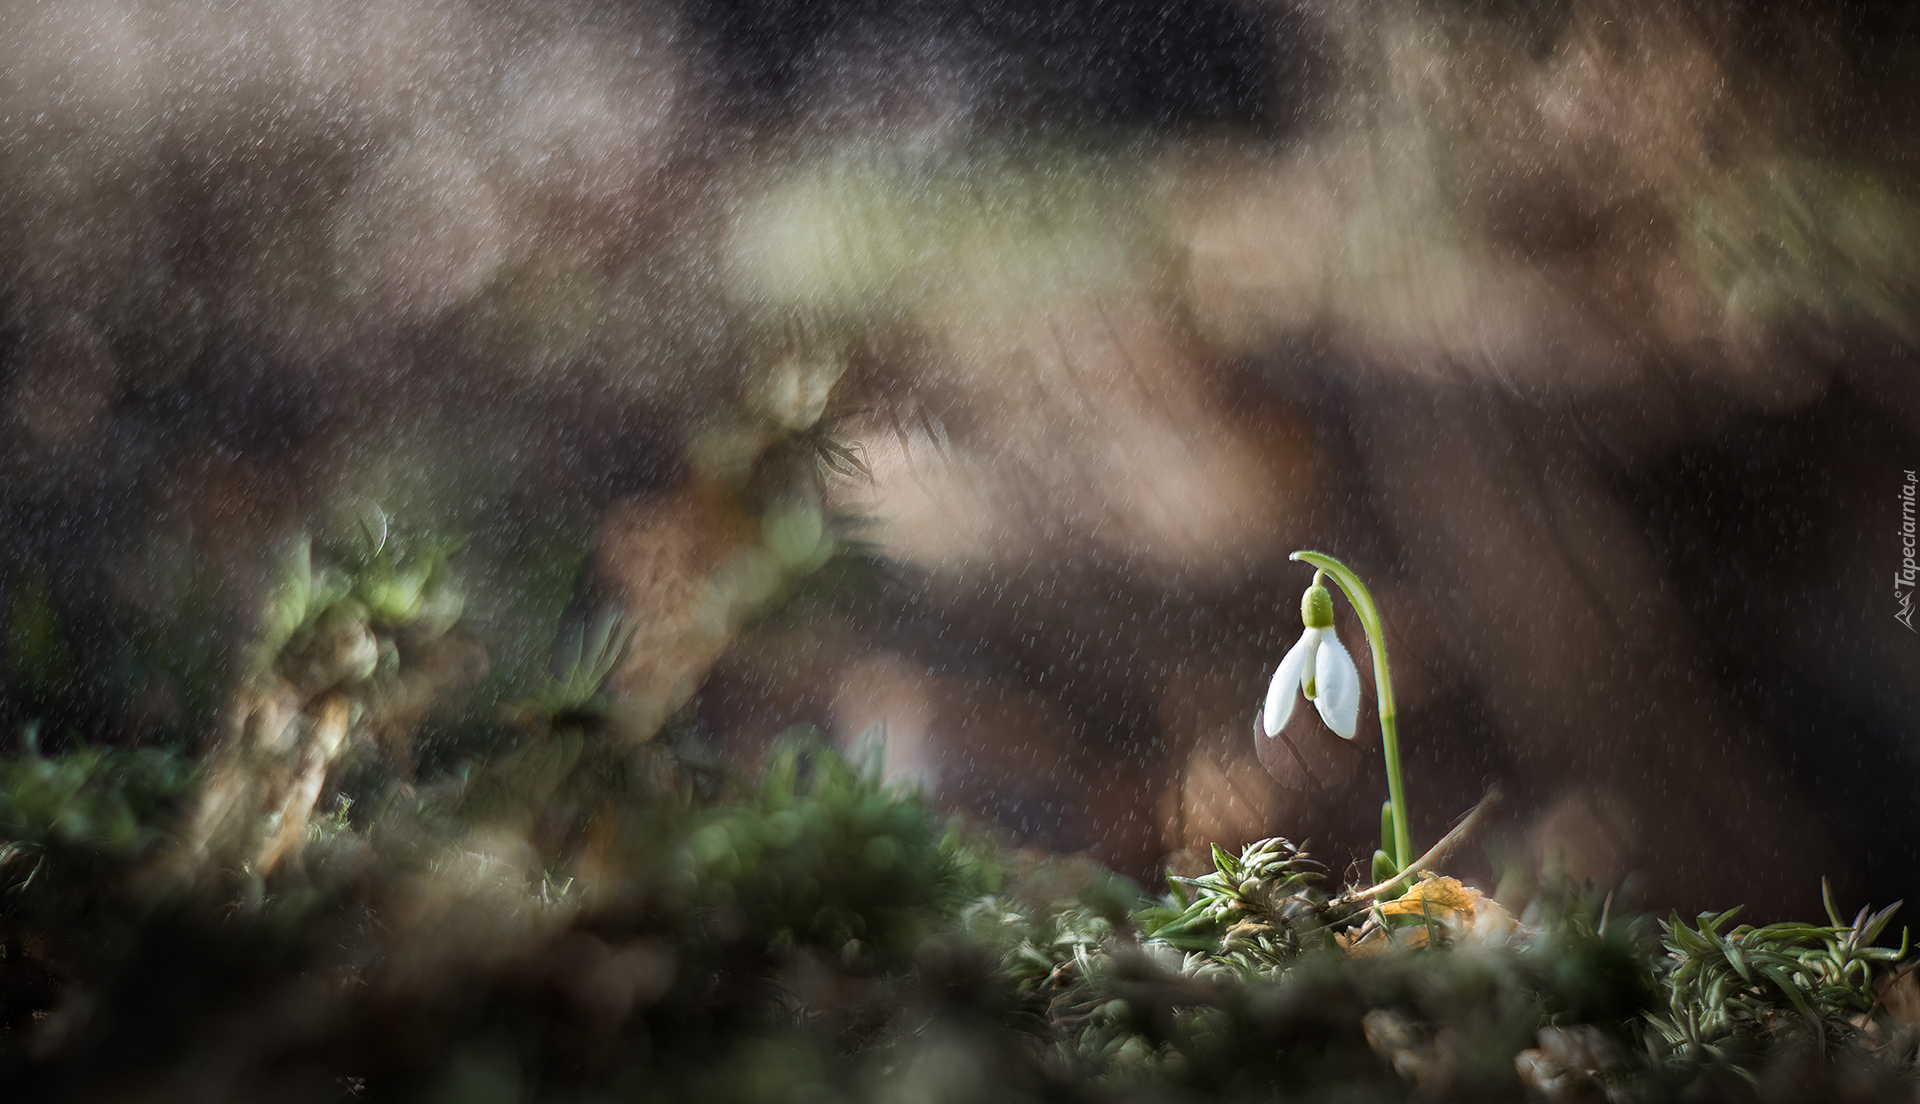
pixel 556 907
pixel 815 935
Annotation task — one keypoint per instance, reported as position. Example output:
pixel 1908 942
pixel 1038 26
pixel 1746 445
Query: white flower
pixel 1319 667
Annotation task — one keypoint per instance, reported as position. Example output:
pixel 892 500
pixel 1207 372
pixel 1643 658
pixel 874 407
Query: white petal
pixel 1288 682
pixel 1336 687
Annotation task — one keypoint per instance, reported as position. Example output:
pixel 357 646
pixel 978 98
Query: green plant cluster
pixel 1729 993
pixel 109 801
pixel 570 912
pixel 328 623
pixel 818 935
pixel 1239 985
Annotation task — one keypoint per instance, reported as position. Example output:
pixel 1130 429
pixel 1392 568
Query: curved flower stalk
pixel 1320 668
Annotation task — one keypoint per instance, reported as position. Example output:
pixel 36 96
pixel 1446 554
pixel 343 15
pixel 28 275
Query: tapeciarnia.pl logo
pixel 1904 578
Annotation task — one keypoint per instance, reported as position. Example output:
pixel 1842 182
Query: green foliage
pixel 116 802
pixel 824 858
pixel 1254 911
pixel 820 934
pixel 1728 992
pixel 573 914
pixel 579 700
pixel 337 621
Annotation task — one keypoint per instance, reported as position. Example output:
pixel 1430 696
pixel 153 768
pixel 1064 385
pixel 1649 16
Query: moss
pixel 571 914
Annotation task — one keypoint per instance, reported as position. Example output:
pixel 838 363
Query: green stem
pixel 1362 600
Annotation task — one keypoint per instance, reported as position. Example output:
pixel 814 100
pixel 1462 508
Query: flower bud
pixel 1316 608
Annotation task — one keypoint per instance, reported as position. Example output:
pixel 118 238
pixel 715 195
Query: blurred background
pixel 971 370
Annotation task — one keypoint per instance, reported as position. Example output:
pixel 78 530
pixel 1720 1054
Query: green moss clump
pixel 816 934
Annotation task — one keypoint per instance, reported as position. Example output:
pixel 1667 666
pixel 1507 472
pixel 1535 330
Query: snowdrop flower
pixel 1319 667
